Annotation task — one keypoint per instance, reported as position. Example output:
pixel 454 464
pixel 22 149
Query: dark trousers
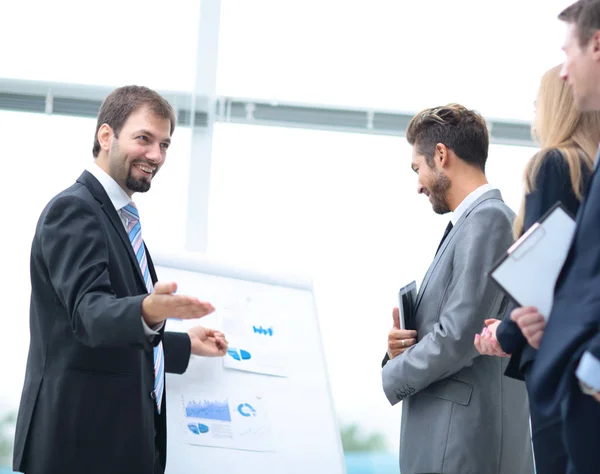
pixel 581 415
pixel 547 436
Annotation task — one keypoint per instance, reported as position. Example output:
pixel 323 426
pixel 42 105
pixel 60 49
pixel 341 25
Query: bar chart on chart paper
pixel 217 410
pixel 233 422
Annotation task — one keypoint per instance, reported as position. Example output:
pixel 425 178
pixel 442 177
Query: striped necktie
pixel 131 218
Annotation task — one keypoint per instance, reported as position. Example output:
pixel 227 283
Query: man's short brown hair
pixel 462 130
pixel 585 15
pixel 122 102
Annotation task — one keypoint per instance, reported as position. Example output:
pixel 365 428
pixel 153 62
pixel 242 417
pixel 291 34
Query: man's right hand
pixel 399 339
pixel 162 304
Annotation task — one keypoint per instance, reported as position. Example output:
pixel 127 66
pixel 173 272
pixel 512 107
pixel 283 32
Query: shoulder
pixel 489 218
pixel 491 207
pixel 75 198
pixel 552 161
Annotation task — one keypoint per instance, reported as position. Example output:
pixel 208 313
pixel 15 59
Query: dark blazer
pixel 572 328
pixel 87 404
pixel 552 184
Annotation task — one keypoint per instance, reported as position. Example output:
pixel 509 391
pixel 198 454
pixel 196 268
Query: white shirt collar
pixel 117 196
pixel 470 199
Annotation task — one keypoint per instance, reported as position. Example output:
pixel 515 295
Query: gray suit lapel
pixel 492 194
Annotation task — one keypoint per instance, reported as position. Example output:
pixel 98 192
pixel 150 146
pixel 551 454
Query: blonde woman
pixel 560 171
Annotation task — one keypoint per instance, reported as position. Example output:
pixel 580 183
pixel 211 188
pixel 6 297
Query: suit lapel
pixel 492 194
pixel 94 186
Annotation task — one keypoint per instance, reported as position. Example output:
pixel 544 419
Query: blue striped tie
pixel 134 229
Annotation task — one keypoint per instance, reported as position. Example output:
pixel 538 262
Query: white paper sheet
pixel 232 421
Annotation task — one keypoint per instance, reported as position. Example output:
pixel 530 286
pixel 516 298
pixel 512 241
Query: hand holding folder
pixel 530 268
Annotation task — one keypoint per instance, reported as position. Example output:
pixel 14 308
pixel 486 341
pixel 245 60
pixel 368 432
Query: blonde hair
pixel 560 126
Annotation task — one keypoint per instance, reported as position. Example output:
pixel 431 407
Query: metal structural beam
pixel 84 101
pixel 202 101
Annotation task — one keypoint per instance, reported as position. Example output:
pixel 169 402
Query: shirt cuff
pixel 151 331
pixel 588 371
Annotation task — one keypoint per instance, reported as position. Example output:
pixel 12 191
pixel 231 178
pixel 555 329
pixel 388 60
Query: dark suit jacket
pixel 573 328
pixel 552 184
pixel 87 403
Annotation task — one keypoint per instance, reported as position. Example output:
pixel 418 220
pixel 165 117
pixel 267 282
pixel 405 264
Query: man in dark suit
pixel 566 374
pixel 93 399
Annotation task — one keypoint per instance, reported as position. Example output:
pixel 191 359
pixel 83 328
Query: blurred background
pixel 289 151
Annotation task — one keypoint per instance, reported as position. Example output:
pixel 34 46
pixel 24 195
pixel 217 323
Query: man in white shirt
pixel 459 414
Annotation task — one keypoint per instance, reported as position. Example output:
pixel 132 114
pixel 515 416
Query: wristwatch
pixel 588 389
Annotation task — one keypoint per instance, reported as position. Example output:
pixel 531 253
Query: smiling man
pixel 459 414
pixel 93 399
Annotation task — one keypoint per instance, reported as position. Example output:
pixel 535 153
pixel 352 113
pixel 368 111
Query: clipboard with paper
pixel 529 269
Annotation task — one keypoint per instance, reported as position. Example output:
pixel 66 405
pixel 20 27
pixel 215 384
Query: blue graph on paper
pixel 198 428
pixel 245 409
pixel 239 355
pixel 209 410
pixel 261 330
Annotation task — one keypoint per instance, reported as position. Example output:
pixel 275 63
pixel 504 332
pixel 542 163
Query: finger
pixel 532 318
pixel 484 347
pixel 186 308
pixel 477 344
pixel 396 317
pixel 398 344
pixel 490 321
pixel 529 331
pixel 402 334
pixel 535 340
pixel 518 313
pixel 165 288
pixel 487 347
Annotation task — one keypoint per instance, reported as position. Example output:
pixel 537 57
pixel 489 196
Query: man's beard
pixel 137 185
pixel 438 194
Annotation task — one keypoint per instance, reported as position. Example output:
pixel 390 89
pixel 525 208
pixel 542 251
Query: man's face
pixel 581 70
pixel 432 182
pixel 140 150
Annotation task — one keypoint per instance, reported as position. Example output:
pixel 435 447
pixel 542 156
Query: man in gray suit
pixel 460 414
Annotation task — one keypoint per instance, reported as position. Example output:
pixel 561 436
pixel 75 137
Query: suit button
pixel 153 395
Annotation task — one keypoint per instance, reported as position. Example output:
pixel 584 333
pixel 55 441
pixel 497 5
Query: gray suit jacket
pixel 460 414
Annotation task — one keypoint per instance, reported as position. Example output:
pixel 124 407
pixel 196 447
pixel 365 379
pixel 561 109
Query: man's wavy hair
pixel 462 130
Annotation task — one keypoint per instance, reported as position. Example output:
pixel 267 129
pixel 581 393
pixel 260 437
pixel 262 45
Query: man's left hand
pixel 207 342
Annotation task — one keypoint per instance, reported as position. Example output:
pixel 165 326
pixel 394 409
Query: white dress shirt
pixel 470 199
pixel 119 200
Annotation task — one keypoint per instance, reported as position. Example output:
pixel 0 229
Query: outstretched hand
pixel 163 303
